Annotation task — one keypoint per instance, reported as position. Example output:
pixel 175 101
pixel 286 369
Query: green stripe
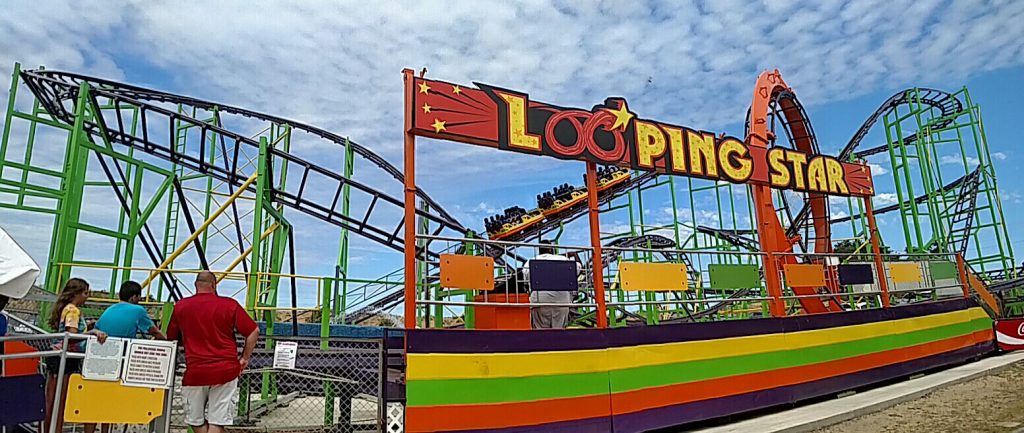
pixel 661 375
pixel 505 389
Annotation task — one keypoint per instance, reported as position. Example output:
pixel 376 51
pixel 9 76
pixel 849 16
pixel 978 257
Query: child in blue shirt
pixel 127 318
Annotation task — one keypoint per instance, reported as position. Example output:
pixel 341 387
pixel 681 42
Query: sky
pixel 337 65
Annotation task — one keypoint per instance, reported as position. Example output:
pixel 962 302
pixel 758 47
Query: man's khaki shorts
pixel 216 404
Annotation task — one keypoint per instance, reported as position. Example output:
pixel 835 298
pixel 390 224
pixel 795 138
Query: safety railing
pixel 229 283
pixel 264 293
pixel 32 352
pixel 715 285
pixel 700 285
pixel 334 384
pixel 855 281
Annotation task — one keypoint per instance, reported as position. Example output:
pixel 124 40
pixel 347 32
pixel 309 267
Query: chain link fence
pixel 337 385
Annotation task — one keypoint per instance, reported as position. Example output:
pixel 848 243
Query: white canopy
pixel 18 272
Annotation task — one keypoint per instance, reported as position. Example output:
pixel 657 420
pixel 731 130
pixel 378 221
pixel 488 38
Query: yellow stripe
pixel 523 364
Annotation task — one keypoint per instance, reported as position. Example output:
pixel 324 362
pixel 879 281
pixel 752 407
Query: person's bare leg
pixel 51 391
pixel 201 428
pixel 216 428
pixel 59 404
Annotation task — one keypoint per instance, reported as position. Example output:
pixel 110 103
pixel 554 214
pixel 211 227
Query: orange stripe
pixel 502 415
pixel 482 416
pixel 650 398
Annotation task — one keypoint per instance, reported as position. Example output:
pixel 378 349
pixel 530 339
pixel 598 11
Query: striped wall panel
pixel 641 378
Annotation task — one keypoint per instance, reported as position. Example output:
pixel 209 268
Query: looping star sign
pixel 611 134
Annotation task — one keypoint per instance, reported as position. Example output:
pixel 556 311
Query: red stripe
pixel 503 415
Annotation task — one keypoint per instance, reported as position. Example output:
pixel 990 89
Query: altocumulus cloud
pixel 337 65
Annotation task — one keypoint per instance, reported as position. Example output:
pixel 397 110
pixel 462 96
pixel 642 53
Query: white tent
pixel 17 270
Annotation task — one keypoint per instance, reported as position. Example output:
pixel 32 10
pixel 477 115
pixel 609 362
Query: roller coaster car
pixel 514 220
pixel 561 198
pixel 608 177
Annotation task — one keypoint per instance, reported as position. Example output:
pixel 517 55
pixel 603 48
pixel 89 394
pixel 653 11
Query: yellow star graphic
pixel 424 88
pixel 438 125
pixel 426 108
pixel 622 116
pixel 456 90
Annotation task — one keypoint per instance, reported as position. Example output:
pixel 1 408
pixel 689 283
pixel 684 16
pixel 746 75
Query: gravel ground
pixel 990 404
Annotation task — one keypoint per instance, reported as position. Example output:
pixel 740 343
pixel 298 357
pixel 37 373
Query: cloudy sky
pixel 337 65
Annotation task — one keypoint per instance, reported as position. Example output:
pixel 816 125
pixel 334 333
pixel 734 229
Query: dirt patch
pixel 990 404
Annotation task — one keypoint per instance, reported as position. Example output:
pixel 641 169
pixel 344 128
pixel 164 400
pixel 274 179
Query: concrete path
pixel 814 416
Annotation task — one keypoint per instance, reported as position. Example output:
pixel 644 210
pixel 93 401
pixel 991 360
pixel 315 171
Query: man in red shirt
pixel 206 323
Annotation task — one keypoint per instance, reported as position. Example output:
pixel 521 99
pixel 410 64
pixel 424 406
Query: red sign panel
pixel 611 134
pixel 1010 334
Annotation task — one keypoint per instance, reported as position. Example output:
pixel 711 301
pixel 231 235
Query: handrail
pixel 24 323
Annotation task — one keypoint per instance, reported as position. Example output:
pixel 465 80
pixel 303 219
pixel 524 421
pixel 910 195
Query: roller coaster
pixel 515 223
pixel 136 183
pixel 200 184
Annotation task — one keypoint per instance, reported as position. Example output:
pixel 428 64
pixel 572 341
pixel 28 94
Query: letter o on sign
pixel 573 117
pixel 586 125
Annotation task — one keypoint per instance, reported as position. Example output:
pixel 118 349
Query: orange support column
pixel 963 275
pixel 766 235
pixel 876 249
pixel 410 207
pixel 595 243
pixel 770 235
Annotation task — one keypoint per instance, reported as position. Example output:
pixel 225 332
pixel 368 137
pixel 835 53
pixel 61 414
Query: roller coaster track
pixel 657 242
pixel 551 223
pixel 961 211
pixel 59 91
pixel 789 112
pixel 388 299
pixel 740 238
pixel 661 242
pixel 942 100
pixel 919 199
pixel 774 103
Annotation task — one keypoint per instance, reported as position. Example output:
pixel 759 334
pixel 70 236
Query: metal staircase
pixel 961 213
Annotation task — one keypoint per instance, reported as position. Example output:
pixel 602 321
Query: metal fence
pixel 700 298
pixel 337 385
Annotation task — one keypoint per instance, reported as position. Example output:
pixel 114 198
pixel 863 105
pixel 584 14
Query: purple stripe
pixel 715 408
pixel 483 341
pixel 589 425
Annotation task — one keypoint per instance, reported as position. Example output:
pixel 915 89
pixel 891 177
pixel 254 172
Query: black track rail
pixel 800 222
pixel 145 94
pixel 919 199
pixel 942 100
pixel 740 238
pixel 58 92
pixel 550 224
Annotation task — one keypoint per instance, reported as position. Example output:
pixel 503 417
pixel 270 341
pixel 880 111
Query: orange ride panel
pixel 460 271
pixel 804 275
pixel 501 317
pixel 805 279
